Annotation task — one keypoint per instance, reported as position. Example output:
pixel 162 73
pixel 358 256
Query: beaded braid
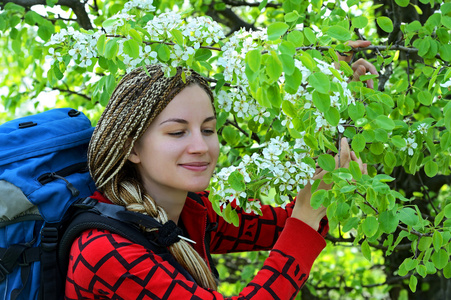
pixel 139 97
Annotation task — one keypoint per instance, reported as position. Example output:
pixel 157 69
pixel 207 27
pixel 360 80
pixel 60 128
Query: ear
pixel 134 156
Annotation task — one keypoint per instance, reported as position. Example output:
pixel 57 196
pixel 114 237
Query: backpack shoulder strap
pixel 90 214
pixel 211 226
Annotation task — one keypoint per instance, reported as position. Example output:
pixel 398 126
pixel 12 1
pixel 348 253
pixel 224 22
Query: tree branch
pixel 72 92
pixel 250 4
pixel 77 7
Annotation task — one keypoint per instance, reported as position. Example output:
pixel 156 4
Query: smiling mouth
pixel 196 166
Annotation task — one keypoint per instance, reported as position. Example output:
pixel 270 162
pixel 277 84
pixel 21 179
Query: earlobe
pixel 134 157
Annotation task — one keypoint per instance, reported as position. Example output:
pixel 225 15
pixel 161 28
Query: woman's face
pixel 180 148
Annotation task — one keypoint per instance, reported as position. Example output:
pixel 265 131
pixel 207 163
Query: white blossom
pixel 53 56
pixel 446 84
pixel 423 128
pixel 411 145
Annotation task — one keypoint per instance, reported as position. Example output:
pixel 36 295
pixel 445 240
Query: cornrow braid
pixel 138 99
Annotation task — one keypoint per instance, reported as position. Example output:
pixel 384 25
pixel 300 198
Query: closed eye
pixel 208 131
pixel 177 133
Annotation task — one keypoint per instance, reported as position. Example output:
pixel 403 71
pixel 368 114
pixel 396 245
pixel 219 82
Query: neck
pixel 171 201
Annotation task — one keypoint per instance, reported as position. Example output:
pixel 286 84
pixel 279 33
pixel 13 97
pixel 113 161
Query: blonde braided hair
pixel 134 104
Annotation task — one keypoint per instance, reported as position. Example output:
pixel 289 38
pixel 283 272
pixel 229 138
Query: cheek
pixel 215 150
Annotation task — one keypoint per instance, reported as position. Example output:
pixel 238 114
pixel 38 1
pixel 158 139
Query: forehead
pixel 191 101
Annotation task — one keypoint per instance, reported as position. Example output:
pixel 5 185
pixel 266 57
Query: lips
pixel 196 166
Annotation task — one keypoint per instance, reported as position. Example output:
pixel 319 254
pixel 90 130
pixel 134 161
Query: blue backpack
pixel 44 204
pixel 43 170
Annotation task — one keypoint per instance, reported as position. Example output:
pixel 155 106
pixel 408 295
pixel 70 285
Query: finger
pixel 366 64
pixel 359 44
pixel 361 67
pixel 365 169
pixel 344 155
pixel 359 70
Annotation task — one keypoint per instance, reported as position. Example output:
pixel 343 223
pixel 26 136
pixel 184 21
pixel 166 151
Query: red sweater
pixel 104 265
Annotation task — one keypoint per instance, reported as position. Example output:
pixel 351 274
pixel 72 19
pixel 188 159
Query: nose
pixel 197 143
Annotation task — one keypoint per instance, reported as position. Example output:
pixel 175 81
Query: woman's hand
pixel 302 208
pixel 361 66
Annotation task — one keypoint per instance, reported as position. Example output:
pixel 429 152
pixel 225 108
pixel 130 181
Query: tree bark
pixel 77 7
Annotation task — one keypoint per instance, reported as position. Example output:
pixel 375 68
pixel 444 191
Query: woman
pixel 155 142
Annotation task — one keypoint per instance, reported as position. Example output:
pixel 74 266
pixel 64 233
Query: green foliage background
pixel 390 230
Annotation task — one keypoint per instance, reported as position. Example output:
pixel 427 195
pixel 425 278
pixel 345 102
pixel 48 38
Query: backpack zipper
pixel 61 174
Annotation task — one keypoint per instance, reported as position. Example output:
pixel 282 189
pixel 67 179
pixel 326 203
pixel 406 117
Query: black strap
pixel 210 227
pixel 18 255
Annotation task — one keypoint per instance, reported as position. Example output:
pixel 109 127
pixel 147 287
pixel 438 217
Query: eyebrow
pixel 183 121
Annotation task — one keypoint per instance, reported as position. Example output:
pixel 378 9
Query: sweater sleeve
pixel 104 265
pixel 255 232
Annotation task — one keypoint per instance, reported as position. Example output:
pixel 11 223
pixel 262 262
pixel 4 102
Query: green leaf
pixel 296 37
pixel 360 22
pixel 273 93
pixel 10 6
pixel 111 48
pixel 253 60
pixel 413 283
pixel 402 3
pixel 447 271
pixel 310 35
pixel 291 16
pixel 358 143
pixel 202 54
pixel 311 141
pixel 287 63
pixel 339 33
pixel 178 36
pixel 356 111
pixel 437 240
pixel 135 35
pixel 320 82
pixel 354 168
pixel 431 168
pixel 163 51
pixel 57 72
pixel 318 198
pixel 293 82
pixel 385 24
pixel 388 221
pixel 321 101
pixel 366 251
pixel 101 44
pixel 440 258
pixel 445 52
pixel 131 48
pixel 289 109
pixel 370 226
pixel 236 181
pixel 423 46
pixel 385 122
pixel 231 136
pixel 398 141
pixel 390 159
pixel 326 162
pixel 351 223
pixel 422 270
pixel 277 29
pixel 274 67
pixel 45 31
pixel 332 116
pixel 408 216
pixel 425 98
pixel 425 243
pixel 447 211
